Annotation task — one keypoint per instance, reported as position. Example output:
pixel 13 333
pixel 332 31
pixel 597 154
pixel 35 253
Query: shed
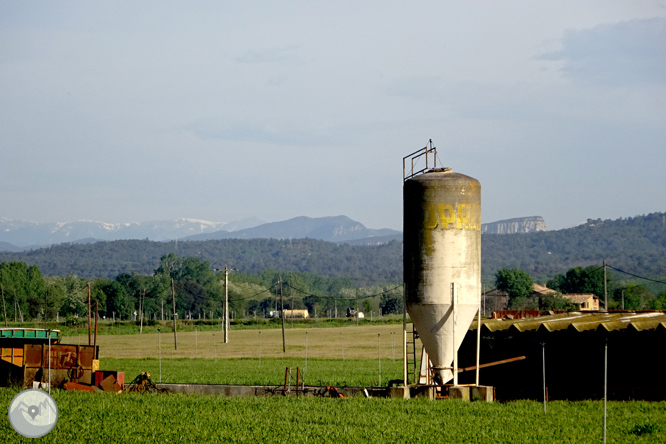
pixel 572 347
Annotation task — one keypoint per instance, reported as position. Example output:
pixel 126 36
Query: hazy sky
pixel 137 111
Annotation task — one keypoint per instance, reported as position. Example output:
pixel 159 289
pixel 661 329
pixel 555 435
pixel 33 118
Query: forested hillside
pixel 364 265
pixel 636 245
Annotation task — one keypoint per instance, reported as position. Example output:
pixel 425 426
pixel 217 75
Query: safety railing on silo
pixel 414 158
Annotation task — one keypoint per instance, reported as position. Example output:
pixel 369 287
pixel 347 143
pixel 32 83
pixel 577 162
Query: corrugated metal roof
pixel 580 321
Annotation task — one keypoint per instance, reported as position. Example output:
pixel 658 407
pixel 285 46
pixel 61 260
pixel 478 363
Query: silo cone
pixel 442 246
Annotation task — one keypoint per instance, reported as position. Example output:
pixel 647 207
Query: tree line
pixel 197 287
pixel 199 293
pixel 518 284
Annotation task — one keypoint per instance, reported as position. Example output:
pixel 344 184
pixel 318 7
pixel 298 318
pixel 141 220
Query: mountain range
pixel 18 236
pixel 631 247
pixel 22 235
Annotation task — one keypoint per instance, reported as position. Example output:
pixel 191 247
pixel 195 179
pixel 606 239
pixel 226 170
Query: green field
pixel 270 371
pixel 344 356
pixel 133 418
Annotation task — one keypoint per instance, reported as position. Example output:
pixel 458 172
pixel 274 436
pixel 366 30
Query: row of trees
pixel 199 292
pixel 630 296
pixel 198 288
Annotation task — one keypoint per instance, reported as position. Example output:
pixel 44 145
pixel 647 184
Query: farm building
pixel 586 301
pixel 496 300
pixel 572 347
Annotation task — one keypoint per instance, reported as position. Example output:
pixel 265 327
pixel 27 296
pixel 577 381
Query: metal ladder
pixel 412 368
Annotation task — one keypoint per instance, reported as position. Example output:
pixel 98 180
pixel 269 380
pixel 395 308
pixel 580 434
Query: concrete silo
pixel 442 261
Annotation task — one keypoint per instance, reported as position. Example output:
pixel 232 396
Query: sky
pixel 132 111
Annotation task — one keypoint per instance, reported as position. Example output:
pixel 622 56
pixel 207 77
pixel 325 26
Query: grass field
pixel 363 342
pixel 270 371
pixel 110 327
pixel 335 356
pixel 131 418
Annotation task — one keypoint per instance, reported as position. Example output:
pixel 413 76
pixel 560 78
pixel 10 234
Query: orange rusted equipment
pixel 36 355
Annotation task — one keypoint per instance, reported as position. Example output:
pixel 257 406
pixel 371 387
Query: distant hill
pixel 26 234
pixel 331 229
pixel 22 235
pixel 636 245
pixel 16 234
pixel 363 264
pixel 5 246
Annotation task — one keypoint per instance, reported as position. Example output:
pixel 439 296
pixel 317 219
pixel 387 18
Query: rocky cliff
pixel 517 225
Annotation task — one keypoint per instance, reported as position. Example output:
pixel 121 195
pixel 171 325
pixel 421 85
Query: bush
pixel 73 321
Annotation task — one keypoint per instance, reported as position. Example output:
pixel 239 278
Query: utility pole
pixel 284 347
pixel 143 297
pixel 4 307
pixel 96 318
pixel 605 289
pixel 226 305
pixel 356 316
pixel 89 320
pixel 173 297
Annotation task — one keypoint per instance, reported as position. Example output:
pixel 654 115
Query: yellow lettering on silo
pixel 445 219
pixel 430 216
pixel 463 217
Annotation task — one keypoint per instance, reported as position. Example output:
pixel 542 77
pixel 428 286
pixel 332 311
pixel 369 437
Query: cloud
pixel 620 54
pixel 284 54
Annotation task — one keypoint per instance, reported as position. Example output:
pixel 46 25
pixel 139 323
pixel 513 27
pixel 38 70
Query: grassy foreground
pixel 131 418
pixel 344 356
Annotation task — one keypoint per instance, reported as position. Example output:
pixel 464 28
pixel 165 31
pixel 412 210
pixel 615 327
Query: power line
pixel 601 267
pixel 636 276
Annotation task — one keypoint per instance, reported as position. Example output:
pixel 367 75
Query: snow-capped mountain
pixel 25 234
